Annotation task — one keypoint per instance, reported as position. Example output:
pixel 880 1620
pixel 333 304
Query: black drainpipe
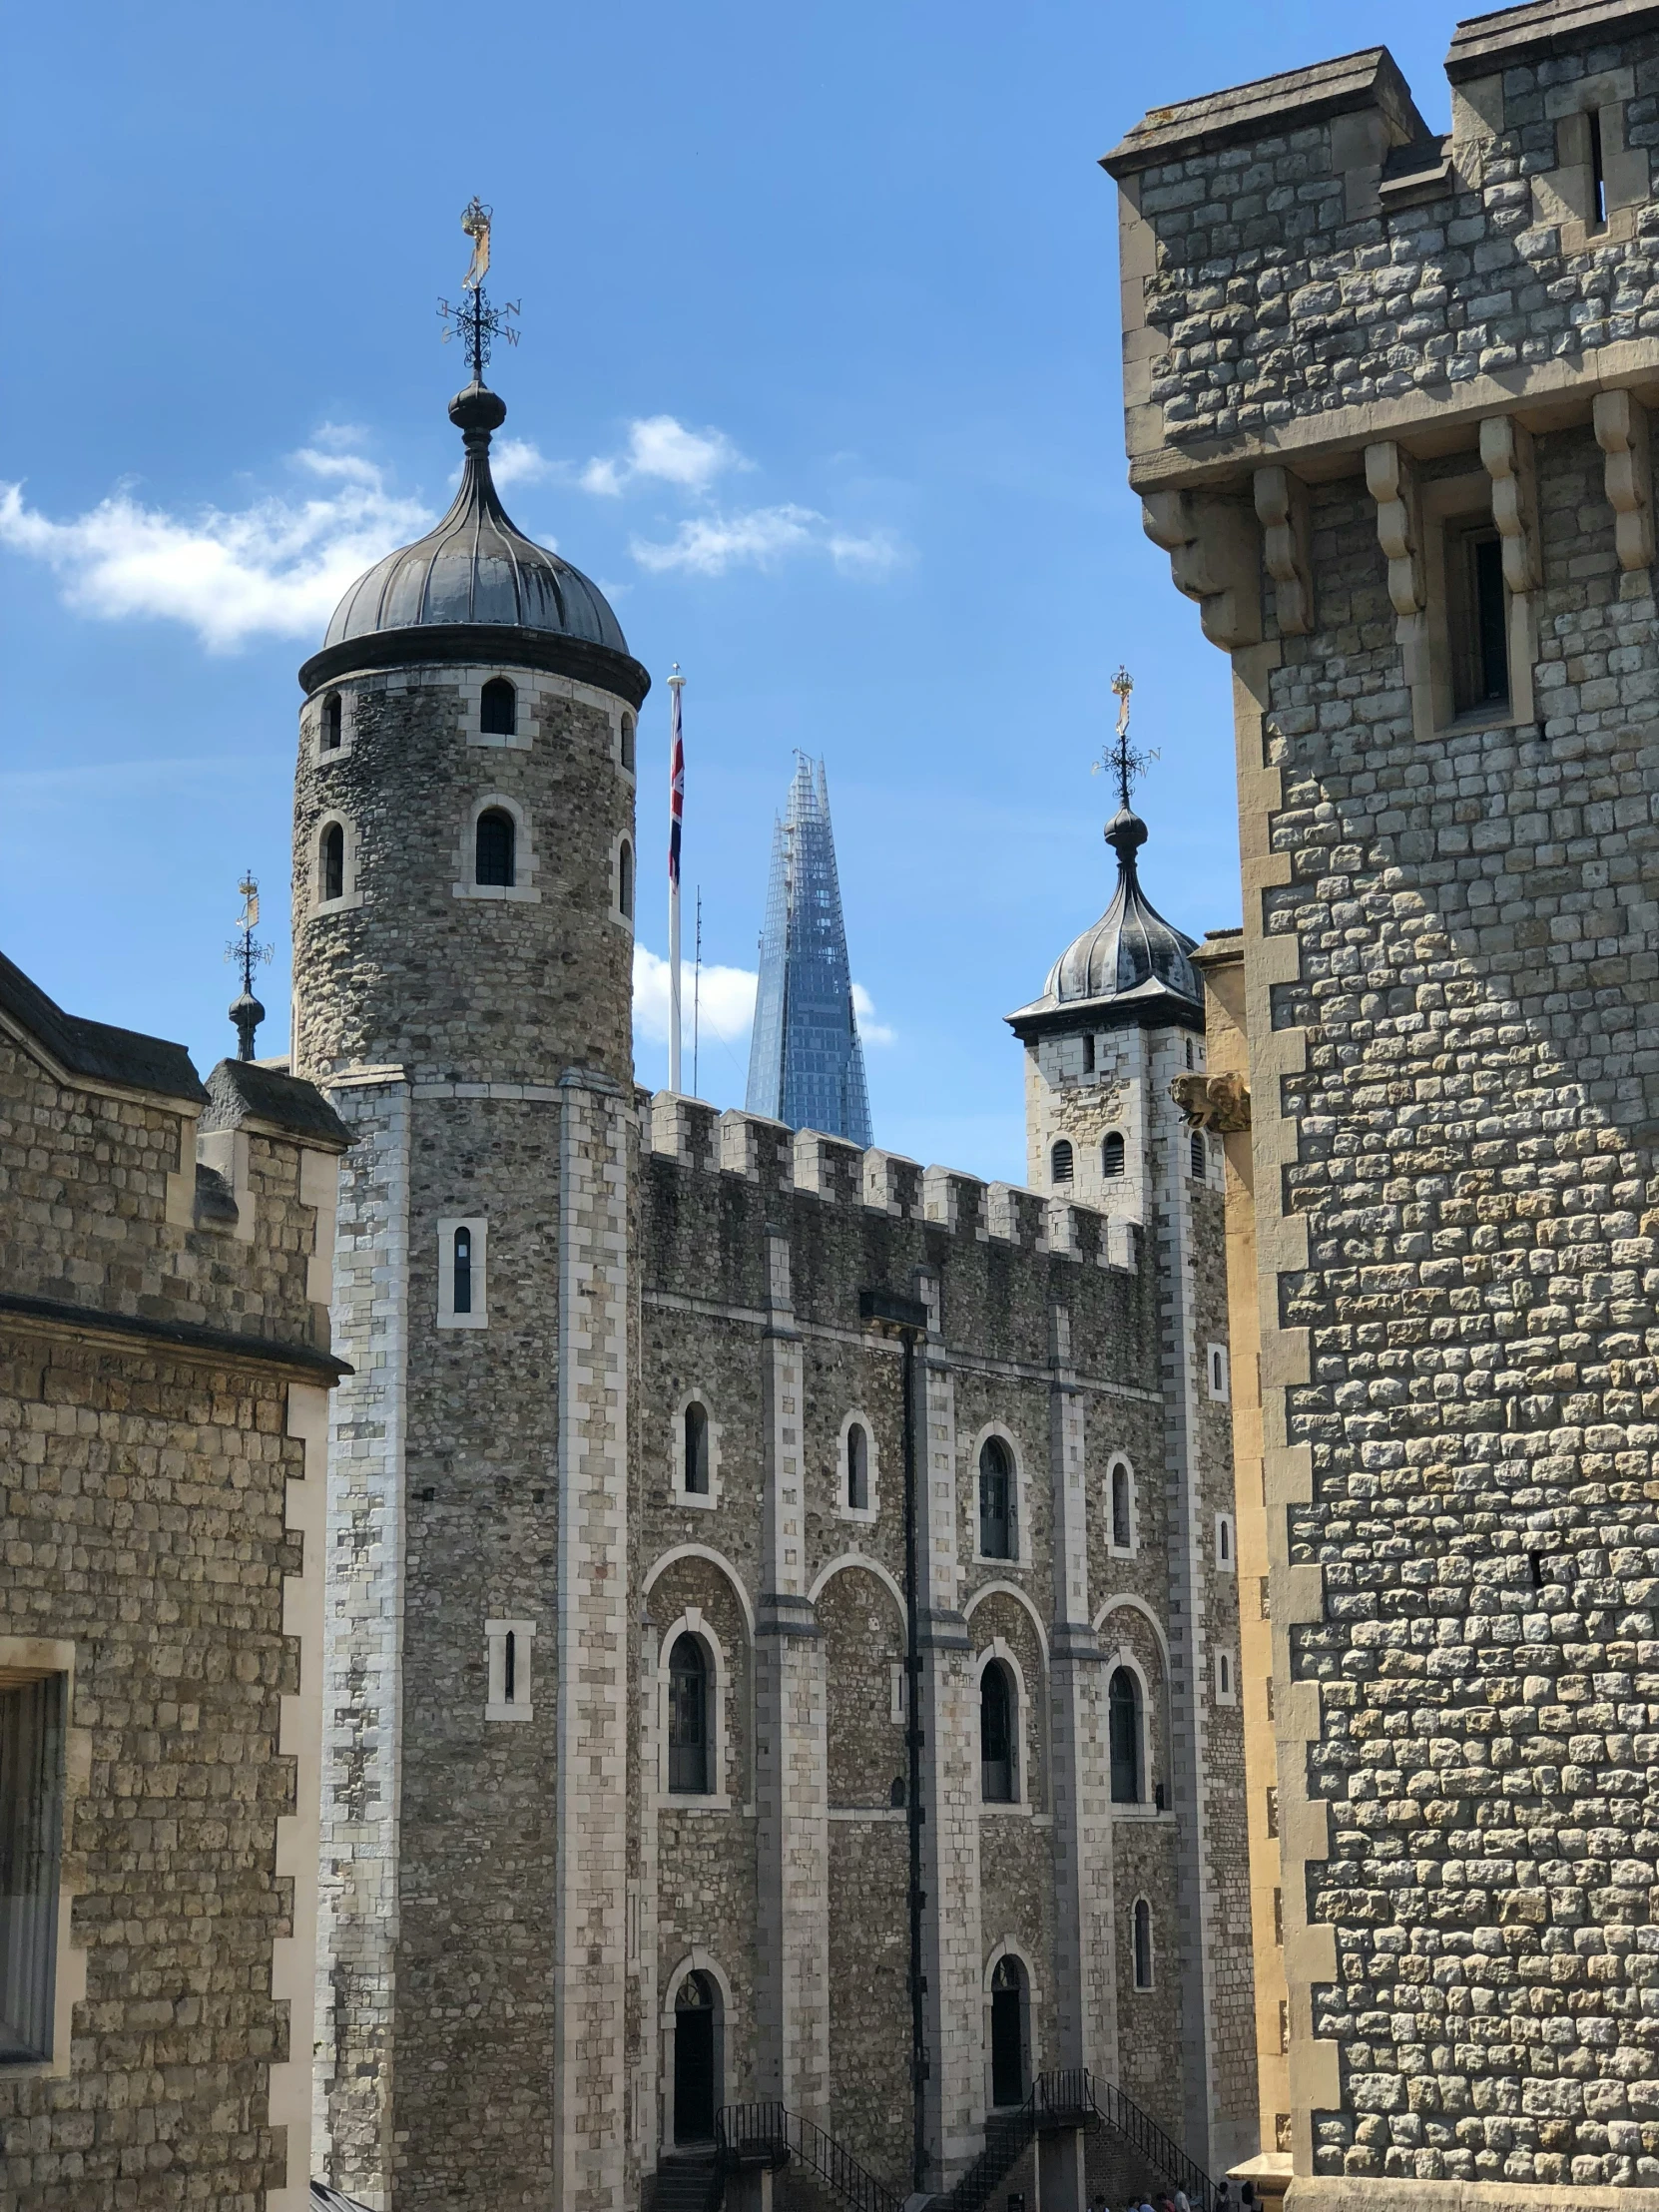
pixel 906 1319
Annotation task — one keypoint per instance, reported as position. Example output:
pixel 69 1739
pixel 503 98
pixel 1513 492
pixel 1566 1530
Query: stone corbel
pixel 1506 455
pixel 1214 557
pixel 1391 480
pixel 1282 510
pixel 1622 433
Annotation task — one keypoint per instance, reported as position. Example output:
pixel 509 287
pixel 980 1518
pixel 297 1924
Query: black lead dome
pixel 476 567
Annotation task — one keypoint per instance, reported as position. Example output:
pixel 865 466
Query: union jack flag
pixel 676 791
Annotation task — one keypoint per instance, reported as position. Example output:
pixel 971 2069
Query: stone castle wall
pixel 163 1372
pixel 1344 341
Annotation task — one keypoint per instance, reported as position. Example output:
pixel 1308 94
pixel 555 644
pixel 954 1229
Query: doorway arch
pixel 1009 1997
pixel 697 2058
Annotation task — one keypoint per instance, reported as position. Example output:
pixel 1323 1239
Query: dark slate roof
pixel 1132 966
pixel 240 1091
pixel 95 1049
pixel 476 566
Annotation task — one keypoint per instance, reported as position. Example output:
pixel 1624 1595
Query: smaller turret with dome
pixel 1121 1014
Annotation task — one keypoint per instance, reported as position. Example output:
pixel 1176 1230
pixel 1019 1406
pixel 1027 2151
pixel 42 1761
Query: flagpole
pixel 675 806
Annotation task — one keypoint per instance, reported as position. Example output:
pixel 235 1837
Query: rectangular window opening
pixel 30 1853
pixel 1478 614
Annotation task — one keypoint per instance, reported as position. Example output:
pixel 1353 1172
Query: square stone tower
pixel 1387 397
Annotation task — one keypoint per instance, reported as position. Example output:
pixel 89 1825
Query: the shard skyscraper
pixel 805 1064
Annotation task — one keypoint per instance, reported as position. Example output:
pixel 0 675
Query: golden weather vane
pixel 475 321
pixel 1121 758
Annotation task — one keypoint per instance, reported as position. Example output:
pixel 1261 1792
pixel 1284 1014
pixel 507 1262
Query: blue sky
pixel 818 378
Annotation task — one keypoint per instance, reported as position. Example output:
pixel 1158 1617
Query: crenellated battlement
pixel 774 1158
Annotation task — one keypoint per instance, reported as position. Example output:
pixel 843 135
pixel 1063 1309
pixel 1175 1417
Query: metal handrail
pixel 1006 2135
pixel 770 2130
pixel 1074 2090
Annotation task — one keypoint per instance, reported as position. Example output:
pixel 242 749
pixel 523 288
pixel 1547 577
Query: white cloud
pixel 663 448
pixel 519 462
pixel 275 568
pixel 725 999
pixel 708 545
pixel 869 1029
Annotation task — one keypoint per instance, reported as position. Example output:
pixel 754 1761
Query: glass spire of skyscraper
pixel 805 1064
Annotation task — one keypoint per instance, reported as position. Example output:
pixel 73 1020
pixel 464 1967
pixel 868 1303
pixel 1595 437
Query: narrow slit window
pixel 1123 1510
pixel 332 862
pixel 1598 174
pixel 1197 1160
pixel 510 1667
pixel 625 880
pixel 496 843
pixel 1111 1154
pixel 858 1468
pixel 1088 1055
pixel 696 1451
pixel 628 742
pixel 331 722
pixel 1143 1943
pixel 462 1298
pixel 1223 1539
pixel 498 710
pixel 1060 1162
pixel 1479 622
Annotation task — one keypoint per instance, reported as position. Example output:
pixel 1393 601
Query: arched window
pixel 1223 1541
pixel 1142 1934
pixel 499 713
pixel 461 1301
pixel 331 722
pixel 696 1451
pixel 1123 1727
pixel 688 1718
pixel 858 1468
pixel 1111 1154
pixel 509 1668
pixel 495 847
pixel 1060 1161
pixel 996 1500
pixel 625 880
pixel 331 863
pixel 1200 1163
pixel 1123 1509
pixel 696 2060
pixel 999 1777
pixel 628 742
pixel 1007 2032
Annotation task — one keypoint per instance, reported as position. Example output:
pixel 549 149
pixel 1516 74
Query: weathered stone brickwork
pixel 1354 353
pixel 163 1370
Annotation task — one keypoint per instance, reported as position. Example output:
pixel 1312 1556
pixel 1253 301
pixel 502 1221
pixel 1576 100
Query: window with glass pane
pixel 996 1735
pixel 1123 1727
pixel 996 1500
pixel 688 1719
